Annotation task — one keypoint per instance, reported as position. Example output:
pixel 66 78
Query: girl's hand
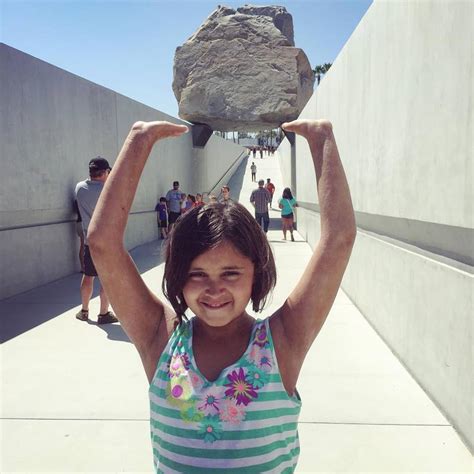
pixel 159 129
pixel 308 128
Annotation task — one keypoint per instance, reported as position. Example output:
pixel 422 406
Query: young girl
pixel 287 203
pixel 190 202
pixel 222 384
pixel 199 202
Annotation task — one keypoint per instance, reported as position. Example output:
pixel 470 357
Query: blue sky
pixel 128 46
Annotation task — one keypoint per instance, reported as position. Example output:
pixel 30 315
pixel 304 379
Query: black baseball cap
pixel 99 164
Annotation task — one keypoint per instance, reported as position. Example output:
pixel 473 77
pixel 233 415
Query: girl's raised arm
pixel 298 322
pixel 139 311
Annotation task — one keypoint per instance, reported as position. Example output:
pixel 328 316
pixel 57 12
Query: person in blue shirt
pixel 174 201
pixel 287 203
pixel 162 217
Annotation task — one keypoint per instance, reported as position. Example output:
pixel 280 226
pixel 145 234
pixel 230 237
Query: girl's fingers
pixel 292 126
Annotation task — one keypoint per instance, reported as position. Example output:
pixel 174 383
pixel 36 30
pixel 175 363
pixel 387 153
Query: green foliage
pixel 320 70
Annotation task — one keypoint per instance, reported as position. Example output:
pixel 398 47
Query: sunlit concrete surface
pixel 74 395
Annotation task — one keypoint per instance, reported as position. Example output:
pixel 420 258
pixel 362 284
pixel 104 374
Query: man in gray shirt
pixel 87 194
pixel 260 198
pixel 173 199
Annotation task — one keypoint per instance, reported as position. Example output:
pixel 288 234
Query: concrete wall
pixel 399 96
pixel 51 124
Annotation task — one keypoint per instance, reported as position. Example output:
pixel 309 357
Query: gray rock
pixel 281 18
pixel 241 71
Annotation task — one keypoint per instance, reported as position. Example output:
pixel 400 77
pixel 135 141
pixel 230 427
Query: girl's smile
pixel 219 284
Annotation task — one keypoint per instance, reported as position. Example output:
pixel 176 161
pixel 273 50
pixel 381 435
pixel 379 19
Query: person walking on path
pixel 270 187
pixel 224 381
pixel 260 198
pixel 173 199
pixel 287 203
pixel 253 170
pixel 87 194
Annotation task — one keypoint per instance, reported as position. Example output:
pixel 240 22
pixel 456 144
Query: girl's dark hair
pixel 204 228
pixel 287 194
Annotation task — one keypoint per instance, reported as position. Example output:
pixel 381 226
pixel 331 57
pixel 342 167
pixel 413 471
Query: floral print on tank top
pixel 224 401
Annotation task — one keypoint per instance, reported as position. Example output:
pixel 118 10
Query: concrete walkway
pixel 74 395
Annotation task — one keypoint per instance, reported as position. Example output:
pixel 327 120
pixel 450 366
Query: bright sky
pixel 128 46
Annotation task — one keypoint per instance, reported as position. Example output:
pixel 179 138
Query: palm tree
pixel 326 67
pixel 320 70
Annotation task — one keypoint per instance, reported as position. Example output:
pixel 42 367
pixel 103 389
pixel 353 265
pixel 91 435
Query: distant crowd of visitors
pixel 269 150
pixel 170 207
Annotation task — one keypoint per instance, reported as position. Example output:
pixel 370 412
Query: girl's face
pixel 219 285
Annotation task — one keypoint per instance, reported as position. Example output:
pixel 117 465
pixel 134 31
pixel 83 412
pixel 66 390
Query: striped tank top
pixel 243 422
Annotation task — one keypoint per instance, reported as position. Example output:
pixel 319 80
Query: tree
pixel 326 67
pixel 320 70
pixel 265 137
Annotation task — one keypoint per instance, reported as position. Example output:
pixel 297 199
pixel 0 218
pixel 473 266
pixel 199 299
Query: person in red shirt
pixel 199 201
pixel 270 187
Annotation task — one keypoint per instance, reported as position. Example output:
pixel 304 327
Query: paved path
pixel 74 395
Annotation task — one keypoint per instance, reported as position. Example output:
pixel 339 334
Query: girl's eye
pixel 196 275
pixel 231 274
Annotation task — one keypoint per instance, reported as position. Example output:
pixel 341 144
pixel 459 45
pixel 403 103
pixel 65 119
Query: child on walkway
pixel 162 217
pixel 190 202
pixel 199 202
pixel 222 384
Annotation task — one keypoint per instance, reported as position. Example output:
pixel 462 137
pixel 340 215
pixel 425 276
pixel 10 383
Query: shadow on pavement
pixel 20 313
pixel 236 181
pixel 114 331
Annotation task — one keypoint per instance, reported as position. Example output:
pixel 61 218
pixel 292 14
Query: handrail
pixel 63 221
pixel 66 221
pixel 228 169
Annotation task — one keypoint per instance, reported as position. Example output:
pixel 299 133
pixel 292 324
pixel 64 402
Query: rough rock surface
pixel 241 71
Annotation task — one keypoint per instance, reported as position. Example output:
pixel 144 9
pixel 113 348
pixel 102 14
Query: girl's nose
pixel 213 288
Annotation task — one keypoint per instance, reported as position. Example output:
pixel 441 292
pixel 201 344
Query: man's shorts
pixel 89 268
pixel 163 223
pixel 79 230
pixel 173 217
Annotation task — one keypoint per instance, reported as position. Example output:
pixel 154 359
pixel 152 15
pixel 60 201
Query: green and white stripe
pixel 263 438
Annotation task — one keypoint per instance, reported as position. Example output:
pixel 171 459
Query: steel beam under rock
pixel 290 136
pixel 201 134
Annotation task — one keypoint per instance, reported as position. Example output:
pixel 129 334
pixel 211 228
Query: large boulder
pixel 241 71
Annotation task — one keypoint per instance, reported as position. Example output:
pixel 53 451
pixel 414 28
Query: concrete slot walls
pixel 404 131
